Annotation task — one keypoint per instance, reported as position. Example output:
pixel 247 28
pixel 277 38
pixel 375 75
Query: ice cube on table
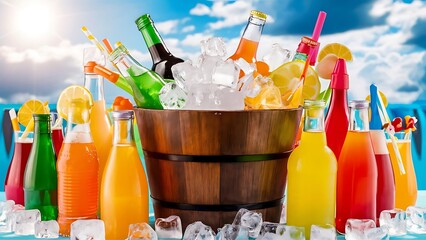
pixel 199 231
pixel 355 228
pixel 141 231
pixel 213 46
pixel 249 219
pixel 170 227
pixel 276 57
pixel 6 208
pixel 395 221
pixel 92 229
pixel 416 219
pixel 376 234
pixel 186 74
pixel 291 232
pixel 172 96
pixel 323 232
pixel 25 221
pixel 226 74
pixel 46 229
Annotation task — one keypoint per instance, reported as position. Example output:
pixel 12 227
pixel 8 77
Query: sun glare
pixel 34 20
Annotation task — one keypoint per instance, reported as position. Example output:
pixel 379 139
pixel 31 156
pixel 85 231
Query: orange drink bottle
pixel 249 42
pixel 405 184
pixel 100 123
pixel 78 168
pixel 357 170
pixel 124 188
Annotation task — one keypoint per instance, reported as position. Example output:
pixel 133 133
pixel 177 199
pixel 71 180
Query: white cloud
pixel 189 28
pixel 167 27
pixel 194 40
pixel 200 10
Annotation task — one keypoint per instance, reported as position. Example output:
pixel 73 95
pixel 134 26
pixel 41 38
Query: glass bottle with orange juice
pixel 312 169
pixel 77 164
pixel 124 187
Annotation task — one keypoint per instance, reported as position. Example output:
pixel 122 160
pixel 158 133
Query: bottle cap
pixel 306 44
pixel 89 67
pixel 340 77
pixel 106 73
pixel 258 14
pixel 123 114
pixel 143 20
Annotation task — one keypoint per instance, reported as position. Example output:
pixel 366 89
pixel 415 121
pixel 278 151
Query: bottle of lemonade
pixel 247 48
pixel 100 123
pixel 78 164
pixel 337 119
pixel 357 170
pixel 40 178
pixel 124 188
pixel 312 169
pixel 162 59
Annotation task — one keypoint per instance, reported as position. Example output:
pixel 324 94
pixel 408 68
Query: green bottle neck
pixel 151 35
pixel 42 128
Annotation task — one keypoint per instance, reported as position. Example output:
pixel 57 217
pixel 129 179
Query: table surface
pixel 421 202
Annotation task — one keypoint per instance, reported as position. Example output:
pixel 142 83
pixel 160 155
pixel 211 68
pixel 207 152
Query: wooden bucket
pixel 206 165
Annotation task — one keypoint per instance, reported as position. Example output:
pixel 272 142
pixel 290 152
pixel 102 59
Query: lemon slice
pixel 287 78
pixel 77 101
pixel 338 49
pixel 30 107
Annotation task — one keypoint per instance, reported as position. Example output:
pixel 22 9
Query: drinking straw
pixel 14 120
pixel 316 34
pixel 95 41
pixel 107 45
pixel 296 96
pixel 386 119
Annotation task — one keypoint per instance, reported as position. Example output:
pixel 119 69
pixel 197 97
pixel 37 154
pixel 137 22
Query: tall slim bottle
pixel 162 58
pixel 385 180
pixel 100 123
pixel 78 169
pixel 247 48
pixel 337 119
pixel 146 84
pixel 312 169
pixel 124 187
pixel 357 170
pixel 40 179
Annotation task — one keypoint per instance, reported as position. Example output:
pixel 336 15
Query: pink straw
pixel 316 34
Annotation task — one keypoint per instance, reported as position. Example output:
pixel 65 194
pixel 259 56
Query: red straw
pixel 316 34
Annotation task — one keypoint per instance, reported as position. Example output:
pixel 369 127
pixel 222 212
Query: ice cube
pixel 376 234
pixel 247 68
pixel 323 232
pixel 213 47
pixel 226 74
pixel 395 221
pixel 141 231
pixel 228 99
pixel 46 229
pixel 170 227
pixel 277 57
pixel 268 231
pixel 25 221
pixel 185 74
pixel 202 97
pixel 252 220
pixel 416 219
pixel 291 232
pixel 228 232
pixel 283 218
pixel 172 96
pixel 355 228
pixel 199 231
pixel 6 208
pixel 92 229
pixel 208 65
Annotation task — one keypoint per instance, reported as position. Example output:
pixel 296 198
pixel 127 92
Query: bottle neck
pixel 78 125
pixel 358 120
pixel 154 43
pixel 251 37
pixel 314 120
pixel 123 132
pixel 299 56
pixel 42 127
pixel 339 98
pixel 95 84
pixel 128 66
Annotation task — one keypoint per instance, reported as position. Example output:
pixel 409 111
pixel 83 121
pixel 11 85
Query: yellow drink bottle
pixel 124 188
pixel 312 171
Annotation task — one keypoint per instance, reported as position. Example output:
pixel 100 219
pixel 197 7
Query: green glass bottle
pixel 162 58
pixel 146 84
pixel 40 178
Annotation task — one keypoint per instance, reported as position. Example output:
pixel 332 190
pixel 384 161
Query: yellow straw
pixel 95 41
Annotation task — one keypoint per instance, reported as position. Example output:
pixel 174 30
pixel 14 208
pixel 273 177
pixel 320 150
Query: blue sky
pixel 39 58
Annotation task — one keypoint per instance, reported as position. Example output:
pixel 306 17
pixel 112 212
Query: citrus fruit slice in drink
pixel 30 107
pixel 287 78
pixel 77 101
pixel 338 49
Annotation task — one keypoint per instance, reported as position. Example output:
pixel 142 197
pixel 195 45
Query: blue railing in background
pixel 418 146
